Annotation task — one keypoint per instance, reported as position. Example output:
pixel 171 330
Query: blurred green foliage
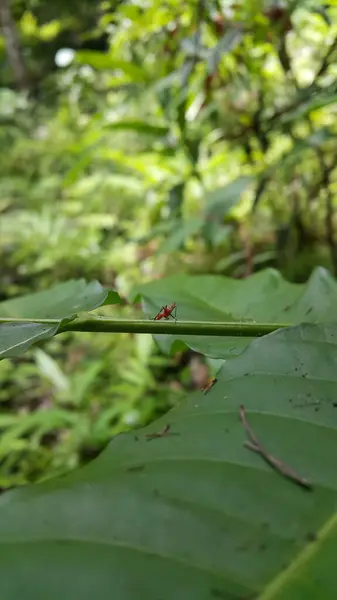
pixel 141 138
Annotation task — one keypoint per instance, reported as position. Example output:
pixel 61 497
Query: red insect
pixel 166 312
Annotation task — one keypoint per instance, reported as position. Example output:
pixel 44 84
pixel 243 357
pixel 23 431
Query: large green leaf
pixel 264 297
pixel 61 302
pixel 196 515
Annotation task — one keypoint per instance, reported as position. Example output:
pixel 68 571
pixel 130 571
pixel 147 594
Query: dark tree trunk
pixel 13 47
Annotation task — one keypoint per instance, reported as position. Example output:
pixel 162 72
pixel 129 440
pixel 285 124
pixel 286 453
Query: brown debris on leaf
pixel 277 464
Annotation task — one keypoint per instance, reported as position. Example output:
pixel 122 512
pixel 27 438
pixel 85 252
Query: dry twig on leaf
pixel 277 464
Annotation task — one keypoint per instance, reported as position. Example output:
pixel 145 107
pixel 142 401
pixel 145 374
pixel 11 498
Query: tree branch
pixel 13 48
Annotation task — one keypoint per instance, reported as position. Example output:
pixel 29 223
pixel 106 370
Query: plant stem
pixel 110 325
pixel 236 329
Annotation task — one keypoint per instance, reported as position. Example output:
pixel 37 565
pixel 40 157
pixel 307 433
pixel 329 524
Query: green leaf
pixel 314 140
pixel 215 232
pixel 196 515
pixel 192 148
pixel 101 61
pixel 175 199
pixel 220 201
pixel 61 302
pixel 322 12
pixel 264 297
pixel 193 48
pixel 112 298
pixel 49 369
pixel 314 103
pixel 73 174
pixel 16 338
pixel 228 42
pixel 183 229
pixel 162 84
pixel 139 127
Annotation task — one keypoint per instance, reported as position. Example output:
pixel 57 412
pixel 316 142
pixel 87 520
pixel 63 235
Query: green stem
pixel 110 325
pixel 179 328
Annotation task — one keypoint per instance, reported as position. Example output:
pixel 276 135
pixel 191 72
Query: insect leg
pixel 158 313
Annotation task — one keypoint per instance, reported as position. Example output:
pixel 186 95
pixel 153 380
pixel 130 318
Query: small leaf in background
pixel 139 127
pixel 74 173
pixel 49 369
pixel 228 42
pixel 167 82
pixel 184 229
pixel 314 102
pixel 101 61
pixel 194 514
pixel 216 233
pixel 192 145
pixel 181 99
pixel 220 201
pixel 175 199
pixel 193 48
pixel 83 381
pixel 49 30
pixel 314 140
pixel 322 12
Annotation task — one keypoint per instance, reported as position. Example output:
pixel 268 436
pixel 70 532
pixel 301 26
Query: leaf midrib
pixel 300 562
